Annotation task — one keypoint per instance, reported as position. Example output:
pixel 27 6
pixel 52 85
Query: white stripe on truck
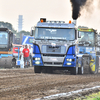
pixel 25 40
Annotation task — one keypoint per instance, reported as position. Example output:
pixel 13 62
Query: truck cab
pixel 54 46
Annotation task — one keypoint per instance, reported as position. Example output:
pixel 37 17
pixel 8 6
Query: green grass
pixel 93 96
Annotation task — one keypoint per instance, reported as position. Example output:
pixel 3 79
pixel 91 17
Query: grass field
pixel 93 96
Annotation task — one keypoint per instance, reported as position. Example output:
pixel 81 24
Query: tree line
pixel 10 27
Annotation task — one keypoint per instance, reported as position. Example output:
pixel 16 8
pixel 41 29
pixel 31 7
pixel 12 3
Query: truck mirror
pixel 31 33
pixel 79 34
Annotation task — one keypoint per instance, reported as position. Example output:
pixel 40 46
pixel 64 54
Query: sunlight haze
pixel 33 10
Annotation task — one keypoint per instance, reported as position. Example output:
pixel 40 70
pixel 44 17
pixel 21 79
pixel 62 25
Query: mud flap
pixel 6 62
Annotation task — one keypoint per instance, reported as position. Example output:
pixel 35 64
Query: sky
pixel 33 10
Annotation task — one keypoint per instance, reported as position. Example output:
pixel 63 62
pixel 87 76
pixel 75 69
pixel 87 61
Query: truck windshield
pixel 55 33
pixel 3 39
pixel 87 39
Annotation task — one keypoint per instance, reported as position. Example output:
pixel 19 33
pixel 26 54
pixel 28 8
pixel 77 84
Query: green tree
pixel 22 32
pixel 10 27
pixel 7 25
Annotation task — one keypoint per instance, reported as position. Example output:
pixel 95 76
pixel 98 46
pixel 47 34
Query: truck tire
pixel 81 70
pixel 37 69
pixel 97 66
pixel 95 72
pixel 14 63
pixel 74 71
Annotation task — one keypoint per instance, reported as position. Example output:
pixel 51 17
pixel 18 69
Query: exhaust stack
pixel 75 22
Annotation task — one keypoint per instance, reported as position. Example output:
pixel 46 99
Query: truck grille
pixel 53 63
pixel 53 50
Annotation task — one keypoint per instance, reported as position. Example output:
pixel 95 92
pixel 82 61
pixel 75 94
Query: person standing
pixel 26 55
pixel 21 49
pixel 31 52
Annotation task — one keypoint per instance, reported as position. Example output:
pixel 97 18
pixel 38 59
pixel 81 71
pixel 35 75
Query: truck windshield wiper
pixel 38 39
pixel 62 39
pixel 52 39
pixel 81 42
pixel 84 42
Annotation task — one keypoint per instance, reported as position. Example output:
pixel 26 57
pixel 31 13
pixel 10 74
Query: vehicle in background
pixel 16 47
pixel 27 40
pixel 6 52
pixel 88 53
pixel 17 41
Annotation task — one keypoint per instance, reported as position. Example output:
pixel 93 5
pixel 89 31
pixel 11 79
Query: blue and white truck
pixel 88 51
pixel 55 46
pixel 27 40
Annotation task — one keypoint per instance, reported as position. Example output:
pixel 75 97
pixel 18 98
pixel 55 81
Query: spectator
pixel 26 55
pixel 21 49
pixel 31 52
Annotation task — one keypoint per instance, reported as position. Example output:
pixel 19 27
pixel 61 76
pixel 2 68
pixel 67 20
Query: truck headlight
pixel 69 60
pixel 68 63
pixel 37 58
pixel 37 62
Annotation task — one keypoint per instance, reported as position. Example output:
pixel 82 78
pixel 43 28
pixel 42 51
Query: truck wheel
pixel 96 66
pixel 37 69
pixel 81 70
pixel 74 71
pixel 95 72
pixel 13 63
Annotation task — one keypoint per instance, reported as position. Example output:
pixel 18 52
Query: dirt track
pixel 24 84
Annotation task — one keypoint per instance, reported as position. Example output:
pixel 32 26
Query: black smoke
pixel 76 7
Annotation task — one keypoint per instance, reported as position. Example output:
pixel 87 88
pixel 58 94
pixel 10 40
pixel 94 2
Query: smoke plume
pixel 89 10
pixel 76 7
pixel 87 6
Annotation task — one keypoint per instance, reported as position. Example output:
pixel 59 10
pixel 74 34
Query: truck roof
pixel 3 29
pixel 55 24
